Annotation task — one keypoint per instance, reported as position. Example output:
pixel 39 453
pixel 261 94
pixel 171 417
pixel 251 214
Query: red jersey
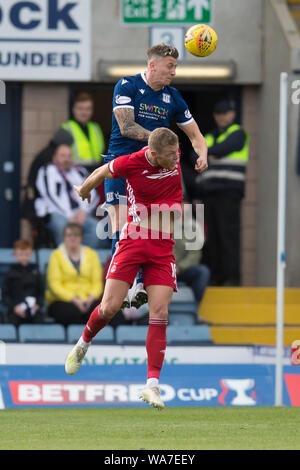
pixel 150 188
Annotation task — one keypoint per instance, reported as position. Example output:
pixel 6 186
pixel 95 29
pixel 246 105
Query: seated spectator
pixel 74 278
pixel 188 267
pixel 42 236
pixel 23 287
pixel 61 137
pixel 61 203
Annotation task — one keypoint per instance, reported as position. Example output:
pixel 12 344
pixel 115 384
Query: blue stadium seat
pixel 41 333
pixel 184 294
pixel 43 259
pixel 182 319
pixel 183 307
pixel 73 333
pixel 105 336
pixel 8 333
pixel 188 335
pixel 131 334
pixel 104 254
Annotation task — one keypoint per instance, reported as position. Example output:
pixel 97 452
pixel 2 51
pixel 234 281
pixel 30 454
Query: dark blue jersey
pixel 152 109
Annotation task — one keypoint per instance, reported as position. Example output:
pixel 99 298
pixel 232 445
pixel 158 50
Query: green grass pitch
pixel 187 428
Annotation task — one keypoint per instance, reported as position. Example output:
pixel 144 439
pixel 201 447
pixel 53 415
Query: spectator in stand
pixel 42 236
pixel 74 278
pixel 23 287
pixel 188 267
pixel 61 203
pixel 61 137
pixel 89 141
pixel 222 188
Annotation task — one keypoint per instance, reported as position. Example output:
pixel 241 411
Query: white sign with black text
pixel 45 40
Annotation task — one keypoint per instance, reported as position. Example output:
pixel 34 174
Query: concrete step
pixel 252 335
pixel 248 306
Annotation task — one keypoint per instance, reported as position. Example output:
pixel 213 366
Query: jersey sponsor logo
pixel 153 109
pixel 123 99
pixel 187 114
pixel 163 174
pixel 166 98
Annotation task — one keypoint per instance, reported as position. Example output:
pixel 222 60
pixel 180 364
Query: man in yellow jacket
pixel 89 141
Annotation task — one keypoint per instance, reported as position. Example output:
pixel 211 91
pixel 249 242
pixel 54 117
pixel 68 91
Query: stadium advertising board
pixel 55 354
pixel 45 40
pixel 119 386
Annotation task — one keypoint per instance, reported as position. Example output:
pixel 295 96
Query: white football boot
pixel 140 296
pixel 76 356
pixel 151 395
pixel 126 303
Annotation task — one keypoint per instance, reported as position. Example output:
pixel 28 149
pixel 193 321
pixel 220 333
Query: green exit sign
pixel 166 11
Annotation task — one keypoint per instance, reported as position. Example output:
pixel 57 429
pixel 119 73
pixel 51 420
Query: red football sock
pixel 156 343
pixel 95 323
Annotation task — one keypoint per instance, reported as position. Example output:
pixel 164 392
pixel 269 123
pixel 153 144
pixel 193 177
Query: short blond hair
pixel 162 50
pixel 162 137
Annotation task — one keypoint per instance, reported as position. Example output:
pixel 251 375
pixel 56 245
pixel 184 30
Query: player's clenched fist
pixel 201 164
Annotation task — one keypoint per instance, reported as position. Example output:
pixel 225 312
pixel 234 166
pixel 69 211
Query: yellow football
pixel 201 40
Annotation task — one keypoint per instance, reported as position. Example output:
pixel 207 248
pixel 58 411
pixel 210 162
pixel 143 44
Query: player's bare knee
pixel 109 309
pixel 160 312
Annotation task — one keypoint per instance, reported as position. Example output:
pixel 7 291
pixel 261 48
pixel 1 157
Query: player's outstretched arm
pixel 199 144
pixel 92 181
pixel 128 127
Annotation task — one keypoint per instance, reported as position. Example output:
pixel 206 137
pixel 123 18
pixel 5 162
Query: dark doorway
pixel 10 160
pixel 200 99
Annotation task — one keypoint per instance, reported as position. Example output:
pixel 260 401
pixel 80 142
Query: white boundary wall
pixel 53 354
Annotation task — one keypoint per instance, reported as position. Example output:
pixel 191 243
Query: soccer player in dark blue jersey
pixel 142 103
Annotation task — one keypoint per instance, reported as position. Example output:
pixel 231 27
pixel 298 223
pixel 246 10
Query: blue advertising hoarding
pixel 119 386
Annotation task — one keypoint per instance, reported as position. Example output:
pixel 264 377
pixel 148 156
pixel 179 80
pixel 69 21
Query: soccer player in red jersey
pixel 154 194
pixel 142 103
